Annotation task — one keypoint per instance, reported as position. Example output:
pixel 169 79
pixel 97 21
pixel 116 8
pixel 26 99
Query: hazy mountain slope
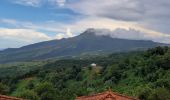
pixel 84 43
pixel 1 49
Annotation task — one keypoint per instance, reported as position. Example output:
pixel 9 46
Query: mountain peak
pixel 89 33
pixel 90 30
pixel 90 41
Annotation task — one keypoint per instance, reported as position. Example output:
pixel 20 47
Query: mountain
pixel 87 42
pixel 1 49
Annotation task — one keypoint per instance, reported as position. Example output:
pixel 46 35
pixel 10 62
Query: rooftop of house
pixel 107 95
pixel 4 97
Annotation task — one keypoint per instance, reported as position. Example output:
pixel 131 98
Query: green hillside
pixel 144 75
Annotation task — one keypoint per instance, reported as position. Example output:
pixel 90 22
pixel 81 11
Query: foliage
pixel 4 89
pixel 160 94
pixel 46 91
pixel 29 95
pixel 142 74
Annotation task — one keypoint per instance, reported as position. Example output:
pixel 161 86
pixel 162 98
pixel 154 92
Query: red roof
pixel 3 97
pixel 108 95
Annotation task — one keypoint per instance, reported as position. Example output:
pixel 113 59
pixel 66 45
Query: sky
pixel 24 22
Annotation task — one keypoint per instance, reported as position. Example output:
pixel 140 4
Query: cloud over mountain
pixel 149 13
pixel 131 19
pixel 133 34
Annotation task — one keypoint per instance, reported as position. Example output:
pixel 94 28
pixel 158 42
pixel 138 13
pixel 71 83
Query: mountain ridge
pixel 86 42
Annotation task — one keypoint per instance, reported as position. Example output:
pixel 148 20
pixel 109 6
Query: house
pixel 93 65
pixel 108 95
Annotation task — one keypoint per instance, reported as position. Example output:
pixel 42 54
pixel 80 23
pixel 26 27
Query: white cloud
pixel 60 3
pixel 8 21
pixel 67 34
pixel 18 37
pixel 34 3
pixel 70 30
pixel 152 14
pixel 59 36
pixel 131 19
pixel 133 34
pixel 116 9
pixel 26 35
pixel 139 35
pixel 38 3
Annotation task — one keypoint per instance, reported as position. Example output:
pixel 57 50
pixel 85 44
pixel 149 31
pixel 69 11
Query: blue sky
pixel 46 12
pixel 24 22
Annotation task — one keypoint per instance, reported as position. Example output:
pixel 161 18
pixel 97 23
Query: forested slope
pixel 145 75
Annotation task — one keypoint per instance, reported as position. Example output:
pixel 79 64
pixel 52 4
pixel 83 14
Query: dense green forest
pixel 144 75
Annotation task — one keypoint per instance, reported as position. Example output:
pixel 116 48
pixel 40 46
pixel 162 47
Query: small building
pixel 108 95
pixel 3 97
pixel 93 65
